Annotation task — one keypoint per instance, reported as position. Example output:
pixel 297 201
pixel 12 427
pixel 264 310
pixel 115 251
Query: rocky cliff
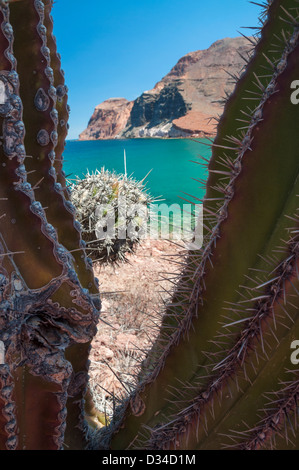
pixel 108 120
pixel 182 103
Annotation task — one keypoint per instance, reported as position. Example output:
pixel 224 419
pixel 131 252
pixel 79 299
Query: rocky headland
pixel 108 120
pixel 181 104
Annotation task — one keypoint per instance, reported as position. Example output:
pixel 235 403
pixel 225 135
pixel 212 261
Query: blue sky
pixel 121 48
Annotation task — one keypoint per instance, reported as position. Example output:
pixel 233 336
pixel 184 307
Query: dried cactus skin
pixel 236 304
pixel 47 316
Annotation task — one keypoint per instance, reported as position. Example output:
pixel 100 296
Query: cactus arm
pixel 77 355
pixel 39 99
pixel 244 100
pixel 36 46
pixel 17 204
pixel 76 408
pixel 243 391
pixel 242 215
pixel 275 371
pixel 15 194
pixel 45 315
pixel 286 403
pixel 42 416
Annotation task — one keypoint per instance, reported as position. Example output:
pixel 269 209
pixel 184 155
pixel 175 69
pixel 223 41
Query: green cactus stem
pixel 42 136
pixel 49 299
pixel 220 374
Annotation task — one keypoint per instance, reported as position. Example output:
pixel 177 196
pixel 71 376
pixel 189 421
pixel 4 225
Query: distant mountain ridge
pixel 181 104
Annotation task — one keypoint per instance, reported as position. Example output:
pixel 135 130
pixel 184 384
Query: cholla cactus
pixel 113 211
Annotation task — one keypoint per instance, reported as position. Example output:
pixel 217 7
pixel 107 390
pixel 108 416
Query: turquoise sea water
pixel 169 160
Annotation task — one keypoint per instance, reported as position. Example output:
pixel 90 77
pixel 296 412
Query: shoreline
pixel 191 137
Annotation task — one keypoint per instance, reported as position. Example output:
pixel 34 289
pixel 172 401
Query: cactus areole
pixel 223 372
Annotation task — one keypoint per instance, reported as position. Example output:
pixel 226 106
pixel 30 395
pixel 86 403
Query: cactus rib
pixel 62 97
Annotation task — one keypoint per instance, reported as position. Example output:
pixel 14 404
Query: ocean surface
pixel 167 160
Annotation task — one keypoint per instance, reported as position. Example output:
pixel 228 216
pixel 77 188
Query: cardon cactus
pixel 113 212
pixel 220 374
pixel 49 298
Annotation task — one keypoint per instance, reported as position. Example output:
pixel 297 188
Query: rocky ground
pixel 132 294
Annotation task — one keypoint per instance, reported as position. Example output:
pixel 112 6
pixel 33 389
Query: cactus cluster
pixel 113 212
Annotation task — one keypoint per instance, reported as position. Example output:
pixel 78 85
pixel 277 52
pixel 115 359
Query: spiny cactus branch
pixel 224 332
pixel 46 313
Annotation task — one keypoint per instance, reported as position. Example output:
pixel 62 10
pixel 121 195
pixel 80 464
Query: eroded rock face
pixel 108 120
pixel 182 103
pixel 151 109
